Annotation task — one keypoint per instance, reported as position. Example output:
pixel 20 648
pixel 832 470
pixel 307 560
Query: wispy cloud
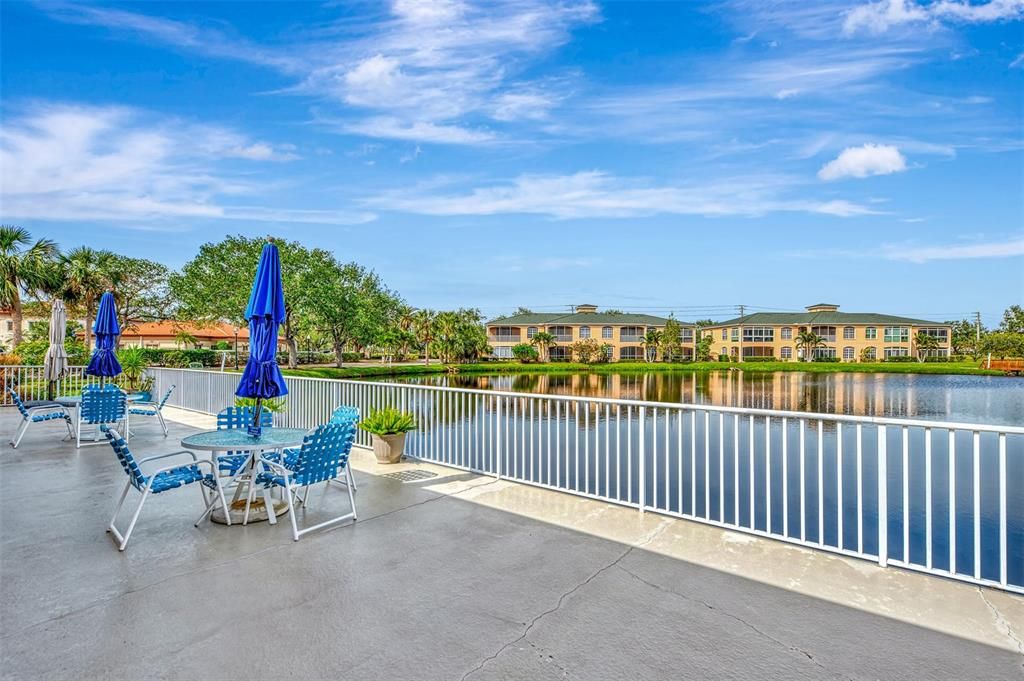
pixel 883 15
pixel 916 253
pixel 595 194
pixel 63 162
pixel 869 159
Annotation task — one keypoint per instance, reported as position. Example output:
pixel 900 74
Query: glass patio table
pixel 238 441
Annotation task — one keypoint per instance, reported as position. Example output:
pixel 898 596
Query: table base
pixel 257 512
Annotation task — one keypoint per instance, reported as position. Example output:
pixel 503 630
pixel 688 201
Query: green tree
pixel 544 341
pixel 525 352
pixel 331 292
pixel 423 328
pixel 703 349
pixel 587 350
pixel 1003 344
pixel 83 273
pixel 184 339
pixel 23 269
pixel 140 288
pixel 215 285
pixel 808 341
pixel 1013 320
pixel 704 323
pixel 460 335
pixel 671 339
pixel 964 338
pixel 522 310
pixel 650 342
pixel 924 344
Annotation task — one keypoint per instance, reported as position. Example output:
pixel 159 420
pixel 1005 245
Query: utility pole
pixel 743 309
pixel 977 326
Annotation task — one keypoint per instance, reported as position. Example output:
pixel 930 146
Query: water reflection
pixel 988 399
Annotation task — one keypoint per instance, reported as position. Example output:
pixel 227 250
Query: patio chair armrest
pixel 172 467
pixel 164 456
pixel 49 408
pixel 143 404
pixel 275 466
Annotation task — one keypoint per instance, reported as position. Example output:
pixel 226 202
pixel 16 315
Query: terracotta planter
pixel 388 448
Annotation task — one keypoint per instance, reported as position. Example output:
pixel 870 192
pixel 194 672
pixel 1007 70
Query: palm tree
pixel 23 266
pixel 423 327
pixel 808 341
pixel 650 341
pixel 85 272
pixel 544 341
pixel 183 337
pixel 925 342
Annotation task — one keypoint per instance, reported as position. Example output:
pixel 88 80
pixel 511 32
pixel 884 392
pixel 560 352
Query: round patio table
pixel 238 440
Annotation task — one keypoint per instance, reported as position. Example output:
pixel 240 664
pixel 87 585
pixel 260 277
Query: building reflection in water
pixel 830 393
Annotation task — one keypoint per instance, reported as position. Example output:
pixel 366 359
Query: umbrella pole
pixel 51 390
pixel 256 421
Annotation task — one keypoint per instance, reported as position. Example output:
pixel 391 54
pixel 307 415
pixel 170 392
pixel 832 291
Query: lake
pixel 736 471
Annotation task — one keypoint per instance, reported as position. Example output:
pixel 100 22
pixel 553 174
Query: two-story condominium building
pixel 622 332
pixel 847 336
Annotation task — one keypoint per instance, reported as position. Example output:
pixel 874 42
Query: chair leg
pixel 135 518
pixel 71 431
pixel 120 503
pixel 20 433
pixel 351 499
pixel 163 424
pixel 268 501
pixel 78 435
pixel 291 510
pixel 351 479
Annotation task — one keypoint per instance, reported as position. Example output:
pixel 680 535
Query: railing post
pixel 642 464
pixel 498 435
pixel 883 503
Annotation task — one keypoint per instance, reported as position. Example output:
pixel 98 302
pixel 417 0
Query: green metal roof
pixel 829 317
pixel 581 318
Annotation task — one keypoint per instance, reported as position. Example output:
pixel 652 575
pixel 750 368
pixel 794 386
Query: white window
pixel 787 333
pixel 941 334
pixel 630 353
pixel 826 332
pixel 725 334
pixel 897 352
pixel 735 333
pixel 531 331
pixel 503 352
pixel 849 333
pixel 897 334
pixel 725 350
pixel 869 353
pixel 606 332
pixel 758 334
pixel 10 325
pixel 786 352
pixel 871 333
pixel 584 332
pixel 824 353
pixel 848 355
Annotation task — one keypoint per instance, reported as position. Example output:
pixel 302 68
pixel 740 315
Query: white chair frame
pixel 291 491
pixel 32 411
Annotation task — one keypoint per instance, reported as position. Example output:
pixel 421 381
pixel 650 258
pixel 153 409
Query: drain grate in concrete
pixel 410 476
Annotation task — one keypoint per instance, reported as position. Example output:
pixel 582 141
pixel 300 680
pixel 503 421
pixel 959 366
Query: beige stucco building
pixel 847 336
pixel 622 332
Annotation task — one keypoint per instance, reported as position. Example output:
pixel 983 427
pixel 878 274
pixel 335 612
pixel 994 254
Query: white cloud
pixel 869 159
pixel 883 15
pixel 1018 62
pixel 416 131
pixel 64 162
pixel 922 254
pixel 594 194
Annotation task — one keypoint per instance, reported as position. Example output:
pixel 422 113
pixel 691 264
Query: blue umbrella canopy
pixel 105 331
pixel 262 377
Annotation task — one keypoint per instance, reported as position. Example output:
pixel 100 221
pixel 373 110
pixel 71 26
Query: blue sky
pixel 647 156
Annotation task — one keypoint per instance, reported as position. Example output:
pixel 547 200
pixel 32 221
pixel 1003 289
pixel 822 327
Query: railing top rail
pixel 684 406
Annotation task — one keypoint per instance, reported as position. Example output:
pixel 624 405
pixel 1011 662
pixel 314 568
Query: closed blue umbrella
pixel 262 377
pixel 105 330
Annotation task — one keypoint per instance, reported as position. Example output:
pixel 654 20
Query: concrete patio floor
pixel 454 577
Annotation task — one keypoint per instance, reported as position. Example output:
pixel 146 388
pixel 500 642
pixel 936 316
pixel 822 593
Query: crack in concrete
pixel 730 615
pixel 1003 624
pixel 651 536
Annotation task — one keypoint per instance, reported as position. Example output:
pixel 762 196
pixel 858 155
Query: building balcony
pixel 630 338
pixel 563 338
pixel 504 339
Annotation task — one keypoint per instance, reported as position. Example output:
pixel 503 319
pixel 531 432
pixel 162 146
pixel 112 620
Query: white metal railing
pixel 31 384
pixel 938 497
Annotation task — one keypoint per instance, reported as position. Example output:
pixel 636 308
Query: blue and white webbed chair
pixel 230 418
pixel 152 409
pixel 323 455
pixel 104 405
pixel 37 414
pixel 160 480
pixel 346 415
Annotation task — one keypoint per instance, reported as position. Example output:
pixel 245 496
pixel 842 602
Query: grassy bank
pixel 355 371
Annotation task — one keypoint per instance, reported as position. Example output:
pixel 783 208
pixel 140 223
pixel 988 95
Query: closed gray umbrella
pixel 56 362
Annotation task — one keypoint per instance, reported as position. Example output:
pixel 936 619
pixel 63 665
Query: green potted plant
pixel 387 428
pixel 134 363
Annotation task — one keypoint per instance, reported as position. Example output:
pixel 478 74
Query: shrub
pixel 827 360
pixel 525 353
pixel 588 350
pixel 723 358
pixel 221 345
pixel 758 359
pixel 910 358
pixel 388 421
pixel 348 357
pixel 33 352
pixel 274 405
